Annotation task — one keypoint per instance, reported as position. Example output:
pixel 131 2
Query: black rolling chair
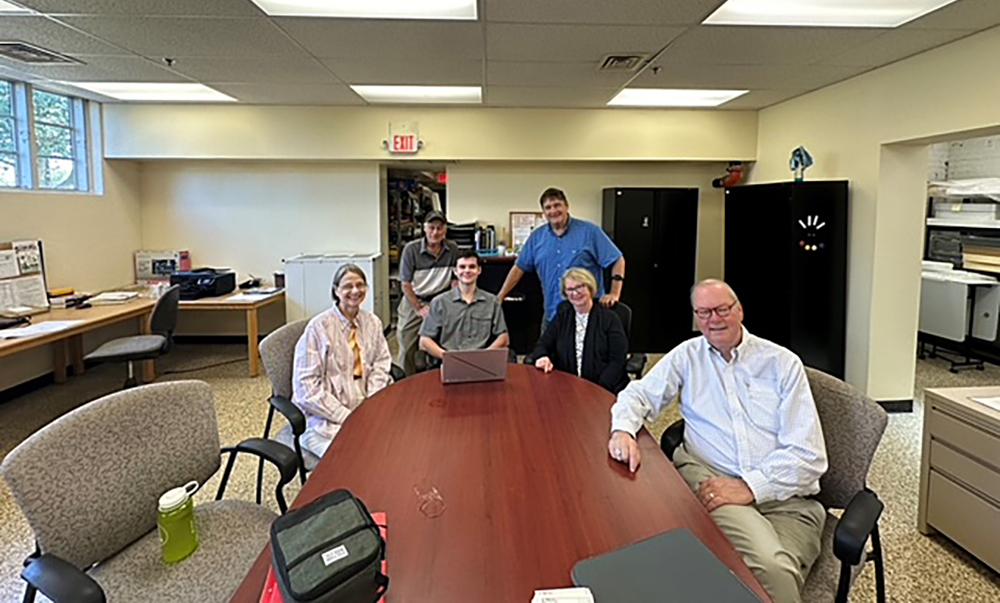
pixel 635 362
pixel 852 427
pixel 162 323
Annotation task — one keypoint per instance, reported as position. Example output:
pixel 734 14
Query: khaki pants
pixel 408 324
pixel 779 541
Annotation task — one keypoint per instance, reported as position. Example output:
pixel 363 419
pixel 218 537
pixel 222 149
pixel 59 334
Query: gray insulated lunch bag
pixel 329 551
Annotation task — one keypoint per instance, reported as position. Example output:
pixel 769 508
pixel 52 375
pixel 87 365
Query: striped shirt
pixel 752 417
pixel 429 274
pixel 322 382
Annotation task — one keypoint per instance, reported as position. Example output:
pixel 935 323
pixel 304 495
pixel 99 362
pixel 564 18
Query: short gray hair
pixel 341 273
pixel 708 282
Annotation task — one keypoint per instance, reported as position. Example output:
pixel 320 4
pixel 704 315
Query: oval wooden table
pixel 527 483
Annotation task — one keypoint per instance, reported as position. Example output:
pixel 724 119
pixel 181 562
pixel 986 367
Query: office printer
pixel 204 282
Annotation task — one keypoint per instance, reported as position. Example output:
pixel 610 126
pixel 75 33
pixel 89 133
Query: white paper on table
pixel 29 257
pixel 41 328
pixel 247 297
pixel 993 402
pixel 8 264
pixel 563 595
pixel 30 291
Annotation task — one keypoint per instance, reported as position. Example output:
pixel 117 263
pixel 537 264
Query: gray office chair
pixel 277 354
pixel 852 427
pixel 635 362
pixel 88 484
pixel 162 322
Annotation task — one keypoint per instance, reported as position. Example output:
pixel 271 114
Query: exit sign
pixel 404 137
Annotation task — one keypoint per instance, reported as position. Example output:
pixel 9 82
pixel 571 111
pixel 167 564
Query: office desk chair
pixel 88 484
pixel 852 428
pixel 162 322
pixel 277 354
pixel 635 362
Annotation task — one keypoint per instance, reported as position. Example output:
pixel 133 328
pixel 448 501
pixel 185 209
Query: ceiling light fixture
pixel 7 7
pixel 371 9
pixel 421 94
pixel 667 97
pixel 823 13
pixel 155 92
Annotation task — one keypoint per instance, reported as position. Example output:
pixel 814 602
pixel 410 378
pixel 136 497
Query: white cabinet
pixel 308 279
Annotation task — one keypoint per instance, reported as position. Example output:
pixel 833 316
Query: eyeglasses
pixel 576 289
pixel 721 311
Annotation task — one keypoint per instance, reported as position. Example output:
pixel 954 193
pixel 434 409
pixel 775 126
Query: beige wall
pixel 356 133
pixel 88 242
pixel 944 93
pixel 490 191
pixel 250 215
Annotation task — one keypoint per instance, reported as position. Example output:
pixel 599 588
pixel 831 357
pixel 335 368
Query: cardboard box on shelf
pixel 157 266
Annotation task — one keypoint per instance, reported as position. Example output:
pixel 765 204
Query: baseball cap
pixel 434 215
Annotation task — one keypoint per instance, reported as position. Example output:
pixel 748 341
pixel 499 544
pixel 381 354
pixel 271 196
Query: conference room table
pixel 525 478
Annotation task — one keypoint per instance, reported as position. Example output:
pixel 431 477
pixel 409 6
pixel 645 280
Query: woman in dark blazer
pixel 584 338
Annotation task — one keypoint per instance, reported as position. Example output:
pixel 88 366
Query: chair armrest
pixel 291 412
pixel 397 373
pixel 635 364
pixel 672 438
pixel 61 581
pixel 856 526
pixel 283 457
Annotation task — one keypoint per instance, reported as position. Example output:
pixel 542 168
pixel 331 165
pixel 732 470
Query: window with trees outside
pixel 43 139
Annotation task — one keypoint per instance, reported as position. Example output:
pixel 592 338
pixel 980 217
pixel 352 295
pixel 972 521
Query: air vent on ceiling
pixel 36 55
pixel 622 62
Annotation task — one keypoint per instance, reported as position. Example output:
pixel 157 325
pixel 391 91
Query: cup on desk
pixel 429 499
pixel 156 290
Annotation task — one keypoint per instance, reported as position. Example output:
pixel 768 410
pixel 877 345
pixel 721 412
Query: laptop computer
pixel 673 566
pixel 474 365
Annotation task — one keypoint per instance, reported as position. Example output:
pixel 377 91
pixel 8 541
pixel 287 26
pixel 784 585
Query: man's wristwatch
pixel 617 277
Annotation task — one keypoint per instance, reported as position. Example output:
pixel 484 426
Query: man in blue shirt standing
pixel 563 244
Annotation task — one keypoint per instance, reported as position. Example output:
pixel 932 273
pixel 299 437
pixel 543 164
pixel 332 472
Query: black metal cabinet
pixel 657 230
pixel 786 258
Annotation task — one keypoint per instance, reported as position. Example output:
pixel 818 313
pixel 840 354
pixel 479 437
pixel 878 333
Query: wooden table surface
pixel 250 305
pixel 528 487
pixel 93 318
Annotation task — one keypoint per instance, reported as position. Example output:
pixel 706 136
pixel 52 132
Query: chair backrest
pixel 277 353
pixel 625 315
pixel 852 427
pixel 88 483
pixel 163 320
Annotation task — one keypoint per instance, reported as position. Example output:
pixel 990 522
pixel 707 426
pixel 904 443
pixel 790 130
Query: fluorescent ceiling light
pixel 371 9
pixel 823 13
pixel 420 94
pixel 150 92
pixel 665 97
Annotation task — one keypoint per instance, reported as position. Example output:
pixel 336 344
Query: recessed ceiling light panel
pixel 666 97
pixel 155 92
pixel 823 13
pixel 7 7
pixel 421 94
pixel 371 9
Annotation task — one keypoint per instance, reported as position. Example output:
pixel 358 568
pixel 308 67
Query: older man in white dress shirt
pixel 753 448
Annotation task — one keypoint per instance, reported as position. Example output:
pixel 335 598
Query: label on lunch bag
pixel 334 554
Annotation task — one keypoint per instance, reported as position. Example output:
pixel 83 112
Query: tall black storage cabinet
pixel 657 230
pixel 786 258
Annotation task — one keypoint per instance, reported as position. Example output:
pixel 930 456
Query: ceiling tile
pixel 896 45
pixel 189 37
pixel 758 99
pixel 102 69
pixel 361 38
pixel 634 12
pixel 44 32
pixel 505 96
pixel 964 14
pixel 408 71
pixel 282 69
pixel 510 73
pixel 682 74
pixel 573 43
pixel 737 45
pixel 290 94
pixel 149 8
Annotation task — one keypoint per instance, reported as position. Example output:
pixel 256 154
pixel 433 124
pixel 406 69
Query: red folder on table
pixel 272 594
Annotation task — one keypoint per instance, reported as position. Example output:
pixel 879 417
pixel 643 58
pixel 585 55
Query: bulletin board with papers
pixel 521 225
pixel 22 277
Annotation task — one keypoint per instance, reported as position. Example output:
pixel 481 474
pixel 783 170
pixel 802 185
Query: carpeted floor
pixel 919 568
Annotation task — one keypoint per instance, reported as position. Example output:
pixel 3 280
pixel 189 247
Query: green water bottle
pixel 176 523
